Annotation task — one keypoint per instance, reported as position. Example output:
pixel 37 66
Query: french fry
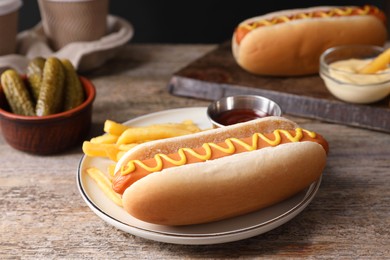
pixel 104 184
pixel 381 62
pixel 112 153
pixel 188 122
pixel 185 125
pixel 126 147
pixel 119 139
pixel 91 149
pixel 100 150
pixel 114 128
pixel 139 134
pixel 105 139
pixel 191 126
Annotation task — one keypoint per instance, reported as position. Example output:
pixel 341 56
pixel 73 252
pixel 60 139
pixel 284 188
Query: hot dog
pixel 219 173
pixel 290 42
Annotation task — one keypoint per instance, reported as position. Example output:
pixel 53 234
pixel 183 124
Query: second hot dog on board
pixel 290 42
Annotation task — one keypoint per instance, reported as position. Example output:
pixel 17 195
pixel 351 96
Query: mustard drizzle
pixel 318 14
pixel 229 149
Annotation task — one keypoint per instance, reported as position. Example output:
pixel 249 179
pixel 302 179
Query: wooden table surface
pixel 43 215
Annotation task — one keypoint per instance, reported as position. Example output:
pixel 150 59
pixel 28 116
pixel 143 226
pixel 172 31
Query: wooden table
pixel 44 216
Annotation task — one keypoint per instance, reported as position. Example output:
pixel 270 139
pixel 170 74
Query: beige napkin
pixel 85 56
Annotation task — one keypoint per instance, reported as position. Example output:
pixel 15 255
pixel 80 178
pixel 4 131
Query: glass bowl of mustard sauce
pixel 241 108
pixel 341 69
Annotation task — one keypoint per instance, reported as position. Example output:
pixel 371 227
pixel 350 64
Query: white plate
pixel 212 233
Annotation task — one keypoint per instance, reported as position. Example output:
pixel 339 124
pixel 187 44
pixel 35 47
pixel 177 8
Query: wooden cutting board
pixel 216 75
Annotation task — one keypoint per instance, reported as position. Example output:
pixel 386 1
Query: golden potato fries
pixel 114 128
pixel 126 147
pixel 138 134
pixel 119 138
pixel 104 184
pixel 185 125
pixel 99 149
pixel 379 63
pixel 105 139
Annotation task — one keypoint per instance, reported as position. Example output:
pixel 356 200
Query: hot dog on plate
pixel 219 173
pixel 290 42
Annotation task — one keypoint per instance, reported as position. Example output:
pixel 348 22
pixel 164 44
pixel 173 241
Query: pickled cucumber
pixel 34 75
pixel 50 99
pixel 17 94
pixel 74 93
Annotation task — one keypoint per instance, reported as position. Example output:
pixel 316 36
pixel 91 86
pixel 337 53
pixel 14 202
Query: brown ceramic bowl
pixel 48 134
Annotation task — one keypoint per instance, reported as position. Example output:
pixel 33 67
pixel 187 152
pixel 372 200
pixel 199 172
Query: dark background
pixel 201 21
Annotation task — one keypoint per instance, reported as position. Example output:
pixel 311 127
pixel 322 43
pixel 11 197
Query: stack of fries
pixel 119 138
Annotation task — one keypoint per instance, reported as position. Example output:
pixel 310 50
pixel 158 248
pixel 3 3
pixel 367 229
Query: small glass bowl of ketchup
pixel 241 108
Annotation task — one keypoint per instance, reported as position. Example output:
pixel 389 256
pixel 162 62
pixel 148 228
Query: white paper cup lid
pixel 8 6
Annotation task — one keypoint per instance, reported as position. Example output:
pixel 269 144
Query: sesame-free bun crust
pixel 226 187
pixel 171 145
pixel 294 48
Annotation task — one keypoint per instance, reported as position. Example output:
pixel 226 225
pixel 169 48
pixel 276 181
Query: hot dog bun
pixel 225 187
pixel 171 145
pixel 293 48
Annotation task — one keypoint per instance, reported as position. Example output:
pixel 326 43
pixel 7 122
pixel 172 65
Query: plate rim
pixel 202 238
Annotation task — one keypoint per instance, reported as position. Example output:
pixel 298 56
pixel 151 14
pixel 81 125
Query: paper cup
pixel 67 21
pixel 9 15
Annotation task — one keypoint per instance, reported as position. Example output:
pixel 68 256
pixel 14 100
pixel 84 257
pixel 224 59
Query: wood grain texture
pixel 216 75
pixel 44 217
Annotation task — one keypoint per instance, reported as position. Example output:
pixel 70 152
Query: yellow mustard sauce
pixel 317 14
pixel 347 71
pixel 230 149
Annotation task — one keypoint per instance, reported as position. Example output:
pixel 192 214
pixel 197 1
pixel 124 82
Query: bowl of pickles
pixel 47 110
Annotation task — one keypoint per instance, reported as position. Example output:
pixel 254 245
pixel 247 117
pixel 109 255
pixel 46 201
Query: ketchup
pixel 231 117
